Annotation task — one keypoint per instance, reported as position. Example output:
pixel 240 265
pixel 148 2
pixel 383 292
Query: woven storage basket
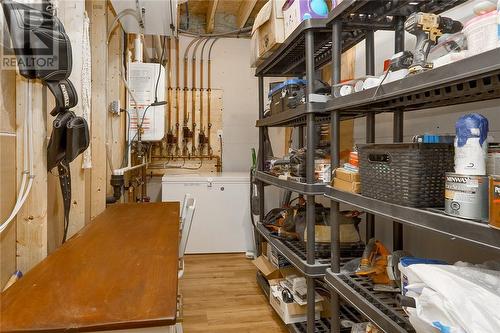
pixel 408 174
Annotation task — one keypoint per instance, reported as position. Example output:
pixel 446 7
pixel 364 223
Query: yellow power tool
pixel 374 263
pixel 428 28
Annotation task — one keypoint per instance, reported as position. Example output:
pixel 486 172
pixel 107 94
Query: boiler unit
pixel 147 83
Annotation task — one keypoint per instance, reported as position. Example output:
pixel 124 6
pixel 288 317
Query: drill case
pixel 291 90
pixel 288 95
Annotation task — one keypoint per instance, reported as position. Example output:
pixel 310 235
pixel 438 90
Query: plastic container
pixel 471 144
pixel 408 174
pixel 482 33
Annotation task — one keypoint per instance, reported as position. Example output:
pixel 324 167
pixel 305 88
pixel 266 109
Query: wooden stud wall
pixel 38 228
pixel 8 184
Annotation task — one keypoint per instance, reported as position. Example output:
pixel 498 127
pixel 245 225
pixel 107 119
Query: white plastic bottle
pixel 471 145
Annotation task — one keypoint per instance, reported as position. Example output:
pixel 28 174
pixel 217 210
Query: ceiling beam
pixel 244 12
pixel 212 8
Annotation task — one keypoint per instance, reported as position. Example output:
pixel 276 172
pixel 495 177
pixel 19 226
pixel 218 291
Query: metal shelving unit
pixel 300 55
pixel 313 45
pixel 473 79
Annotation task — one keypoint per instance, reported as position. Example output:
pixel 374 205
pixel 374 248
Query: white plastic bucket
pixel 482 33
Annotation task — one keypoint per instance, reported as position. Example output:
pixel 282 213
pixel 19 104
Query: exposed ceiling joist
pixel 212 8
pixel 244 12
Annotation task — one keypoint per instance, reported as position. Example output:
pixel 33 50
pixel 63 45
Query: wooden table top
pixel 120 271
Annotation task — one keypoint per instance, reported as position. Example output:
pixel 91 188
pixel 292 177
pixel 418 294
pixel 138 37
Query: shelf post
pixel 335 161
pixel 310 204
pixel 260 165
pixel 398 124
pixel 370 120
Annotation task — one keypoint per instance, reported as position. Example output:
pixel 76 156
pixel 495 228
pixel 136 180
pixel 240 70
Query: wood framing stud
pixel 212 8
pixel 244 12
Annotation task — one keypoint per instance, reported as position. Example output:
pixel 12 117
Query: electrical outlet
pixel 219 133
pixel 115 107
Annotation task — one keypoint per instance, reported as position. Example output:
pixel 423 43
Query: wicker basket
pixel 408 174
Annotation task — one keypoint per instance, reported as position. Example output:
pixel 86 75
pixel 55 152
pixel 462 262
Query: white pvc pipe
pixel 138 49
pixel 28 153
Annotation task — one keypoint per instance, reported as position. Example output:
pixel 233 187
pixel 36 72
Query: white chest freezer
pixel 221 221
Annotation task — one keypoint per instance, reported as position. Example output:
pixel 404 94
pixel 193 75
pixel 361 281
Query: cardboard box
pixel 267 269
pixel 348 234
pixel 269 27
pixel 296 11
pixel 353 187
pixel 321 232
pixel 346 175
pixel 255 60
pixel 263 249
pixel 291 313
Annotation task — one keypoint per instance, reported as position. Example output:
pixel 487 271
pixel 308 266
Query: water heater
pixel 147 83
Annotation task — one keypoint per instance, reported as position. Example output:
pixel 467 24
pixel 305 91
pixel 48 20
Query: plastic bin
pixel 408 174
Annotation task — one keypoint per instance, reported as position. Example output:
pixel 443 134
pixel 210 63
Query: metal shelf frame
pixel 380 307
pixel 312 46
pixel 298 55
pixel 295 255
pixel 429 219
pixel 473 79
pixel 293 186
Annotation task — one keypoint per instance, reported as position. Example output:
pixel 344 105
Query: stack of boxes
pixel 277 20
pixel 347 178
pixel 281 275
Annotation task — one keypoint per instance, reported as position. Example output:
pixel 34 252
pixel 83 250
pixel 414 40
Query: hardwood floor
pixel 220 295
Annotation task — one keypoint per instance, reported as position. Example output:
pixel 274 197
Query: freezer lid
pixel 225 177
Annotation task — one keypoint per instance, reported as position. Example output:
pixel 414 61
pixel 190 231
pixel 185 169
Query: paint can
pixel 495 202
pixel 466 196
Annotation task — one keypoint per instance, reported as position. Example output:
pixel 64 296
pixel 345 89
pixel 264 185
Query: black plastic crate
pixel 408 174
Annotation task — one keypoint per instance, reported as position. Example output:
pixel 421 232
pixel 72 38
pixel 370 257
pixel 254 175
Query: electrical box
pixel 147 82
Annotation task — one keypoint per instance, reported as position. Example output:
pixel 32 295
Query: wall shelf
pixel 295 254
pixel 429 219
pixel 300 188
pixel 381 308
pixel 470 80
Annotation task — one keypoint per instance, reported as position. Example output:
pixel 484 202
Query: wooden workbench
pixel 118 272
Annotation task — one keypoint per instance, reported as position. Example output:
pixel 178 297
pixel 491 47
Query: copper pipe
pixel 193 96
pixel 186 132
pixel 209 97
pixel 201 145
pixel 169 87
pixel 218 161
pixel 186 67
pixel 178 93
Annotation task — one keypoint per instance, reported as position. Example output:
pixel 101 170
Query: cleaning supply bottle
pixel 471 145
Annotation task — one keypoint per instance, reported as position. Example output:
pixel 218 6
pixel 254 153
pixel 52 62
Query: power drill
pixel 428 28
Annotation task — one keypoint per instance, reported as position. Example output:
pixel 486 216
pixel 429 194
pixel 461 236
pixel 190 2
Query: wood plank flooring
pixel 220 294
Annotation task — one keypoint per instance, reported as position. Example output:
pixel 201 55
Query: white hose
pixel 28 153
